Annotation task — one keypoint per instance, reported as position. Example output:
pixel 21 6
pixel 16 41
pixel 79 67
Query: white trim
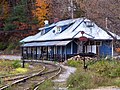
pixel 71 47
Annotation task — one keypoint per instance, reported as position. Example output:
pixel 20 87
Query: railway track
pixel 32 81
pixel 18 76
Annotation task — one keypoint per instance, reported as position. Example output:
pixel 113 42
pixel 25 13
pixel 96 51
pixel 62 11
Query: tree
pixel 5 9
pixel 41 11
pixel 105 13
pixel 4 12
pixel 99 10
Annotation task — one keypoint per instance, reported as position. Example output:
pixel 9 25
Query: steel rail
pixel 27 76
pixel 41 73
pixel 37 85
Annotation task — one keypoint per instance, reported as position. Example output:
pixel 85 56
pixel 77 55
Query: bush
pixel 101 73
pixel 106 68
pixel 80 80
pixel 11 46
pixel 74 63
pixel 3 46
pixel 115 72
pixel 9 27
pixel 16 64
pixel 117 82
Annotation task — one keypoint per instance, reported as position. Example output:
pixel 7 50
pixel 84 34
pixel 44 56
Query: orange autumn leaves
pixel 41 11
pixel 5 8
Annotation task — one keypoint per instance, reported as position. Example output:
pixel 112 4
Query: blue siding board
pixel 74 48
pixel 105 49
pixel 69 48
pixel 58 50
pixel 63 50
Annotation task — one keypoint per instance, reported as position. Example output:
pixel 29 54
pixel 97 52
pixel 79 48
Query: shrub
pixel 74 63
pixel 101 73
pixel 106 68
pixel 9 27
pixel 11 46
pixel 3 46
pixel 1 80
pixel 16 64
pixel 80 80
pixel 117 82
pixel 115 72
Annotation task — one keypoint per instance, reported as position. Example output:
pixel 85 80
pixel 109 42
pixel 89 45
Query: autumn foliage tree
pixel 4 12
pixel 5 9
pixel 41 11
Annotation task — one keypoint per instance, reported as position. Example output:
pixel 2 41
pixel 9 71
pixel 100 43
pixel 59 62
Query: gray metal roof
pixel 73 31
pixel 49 43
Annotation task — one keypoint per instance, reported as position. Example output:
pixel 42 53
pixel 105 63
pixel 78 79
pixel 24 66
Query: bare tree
pixel 99 10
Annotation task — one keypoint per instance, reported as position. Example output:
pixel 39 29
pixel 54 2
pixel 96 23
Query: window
pixel 57 30
pixel 89 23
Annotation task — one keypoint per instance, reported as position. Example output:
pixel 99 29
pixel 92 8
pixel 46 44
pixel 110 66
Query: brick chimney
pixel 56 20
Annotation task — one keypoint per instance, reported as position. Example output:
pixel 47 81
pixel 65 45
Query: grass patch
pixel 20 70
pixel 16 64
pixel 8 67
pixel 47 85
pixel 74 63
pixel 100 73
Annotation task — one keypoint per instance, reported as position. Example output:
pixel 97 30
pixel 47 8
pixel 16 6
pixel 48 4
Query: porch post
pixel 65 53
pixel 91 48
pixel 47 53
pixel 42 52
pixel 31 53
pixel 36 52
pixel 53 54
pixel 22 52
pixel 27 52
pixel 86 48
pixel 112 48
pixel 56 53
pixel 39 50
pixel 23 62
pixel 61 53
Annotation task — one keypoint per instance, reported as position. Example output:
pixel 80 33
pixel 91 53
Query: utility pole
pixel 72 9
pixel 106 23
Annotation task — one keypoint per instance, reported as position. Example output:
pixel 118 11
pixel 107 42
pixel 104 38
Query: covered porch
pixel 50 50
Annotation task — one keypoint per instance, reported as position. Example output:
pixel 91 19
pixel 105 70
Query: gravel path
pixel 62 78
pixel 10 57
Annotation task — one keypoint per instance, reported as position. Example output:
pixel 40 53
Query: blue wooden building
pixel 67 38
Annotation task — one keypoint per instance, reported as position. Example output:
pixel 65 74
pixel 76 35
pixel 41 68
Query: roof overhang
pixel 49 43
